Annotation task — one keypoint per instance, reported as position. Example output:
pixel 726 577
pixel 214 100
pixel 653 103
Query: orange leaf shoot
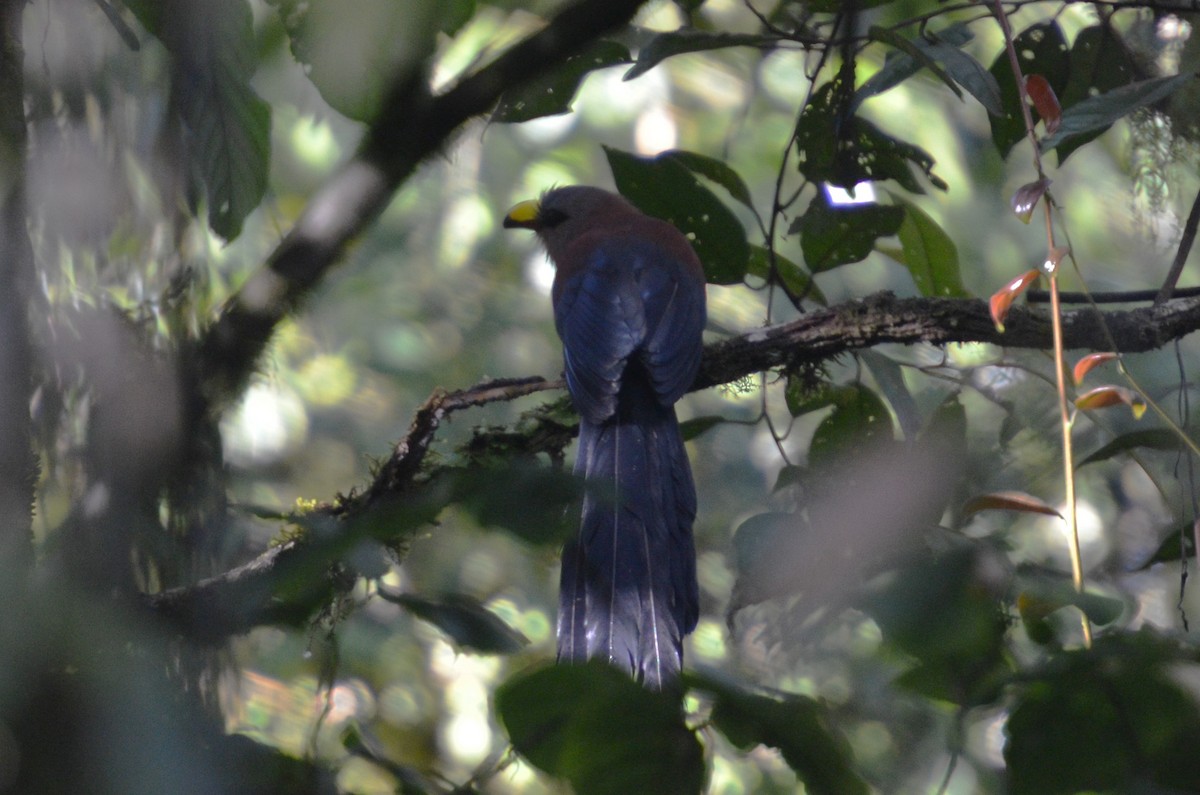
pixel 1090 362
pixel 1045 101
pixel 1008 501
pixel 1105 396
pixel 1002 299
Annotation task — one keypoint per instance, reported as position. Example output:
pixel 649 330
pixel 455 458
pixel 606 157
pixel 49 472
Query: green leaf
pixel 1041 49
pixel 757 544
pixel 1096 113
pixel 959 68
pixel 929 253
pixel 1100 62
pixel 665 188
pixel 229 144
pixel 464 620
pixel 553 93
pixel 850 150
pixel 797 281
pixel 914 51
pixel 1109 719
pixel 803 398
pixel 937 610
pixel 1151 439
pixel 1178 544
pixel 837 235
pixel 1054 593
pixel 690 429
pixel 353 51
pixel 800 727
pixel 890 378
pixel 595 727
pixel 716 170
pixel 678 42
pixel 970 74
pixel 859 420
pixel 528 500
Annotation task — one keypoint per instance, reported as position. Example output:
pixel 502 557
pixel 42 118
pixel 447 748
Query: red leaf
pixel 1002 299
pixel 1045 101
pixel 1026 198
pixel 1090 362
pixel 1104 396
pixel 1007 501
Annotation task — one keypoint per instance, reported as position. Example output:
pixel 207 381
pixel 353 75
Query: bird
pixel 629 306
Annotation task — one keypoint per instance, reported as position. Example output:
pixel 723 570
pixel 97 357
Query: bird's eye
pixel 550 218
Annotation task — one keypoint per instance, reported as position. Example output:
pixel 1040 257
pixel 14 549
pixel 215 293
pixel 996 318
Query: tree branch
pixel 287 583
pixel 413 125
pixel 18 467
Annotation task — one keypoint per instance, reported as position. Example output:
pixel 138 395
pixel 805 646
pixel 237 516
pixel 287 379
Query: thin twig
pixel 1181 255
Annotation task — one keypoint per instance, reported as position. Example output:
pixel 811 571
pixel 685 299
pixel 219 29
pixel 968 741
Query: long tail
pixel 628 592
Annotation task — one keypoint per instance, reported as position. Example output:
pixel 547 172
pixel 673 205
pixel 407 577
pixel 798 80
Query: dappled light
pixel 286 442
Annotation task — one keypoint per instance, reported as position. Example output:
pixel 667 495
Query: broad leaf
pixel 938 611
pixel 798 726
pixel 697 426
pixel 1149 439
pixel 598 729
pixel 464 620
pixel 836 235
pixel 1041 49
pixel 758 544
pixel 353 51
pixel 1096 113
pixel 665 188
pixel 899 66
pixel 528 500
pixel 716 170
pixel 858 421
pixel 1178 544
pixel 1110 719
pixel 929 253
pixel 1100 62
pixel 914 51
pixel 889 376
pixel 213 58
pixel 797 281
pixel 845 150
pixel 552 93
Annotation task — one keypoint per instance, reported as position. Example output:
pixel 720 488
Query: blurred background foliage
pixel 901 645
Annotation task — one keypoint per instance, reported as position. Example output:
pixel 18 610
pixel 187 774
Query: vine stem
pixel 1060 368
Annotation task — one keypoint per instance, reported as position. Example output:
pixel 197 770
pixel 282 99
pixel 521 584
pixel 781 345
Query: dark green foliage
pixel 799 727
pixel 229 126
pixel 1100 62
pixel 553 93
pixel 467 622
pixel 666 187
pixel 1112 719
pixel 833 235
pixel 664 45
pixel 593 726
pixel 842 149
pixel 1042 50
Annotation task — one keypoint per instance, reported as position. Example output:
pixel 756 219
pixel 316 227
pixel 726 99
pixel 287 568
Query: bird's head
pixel 563 214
